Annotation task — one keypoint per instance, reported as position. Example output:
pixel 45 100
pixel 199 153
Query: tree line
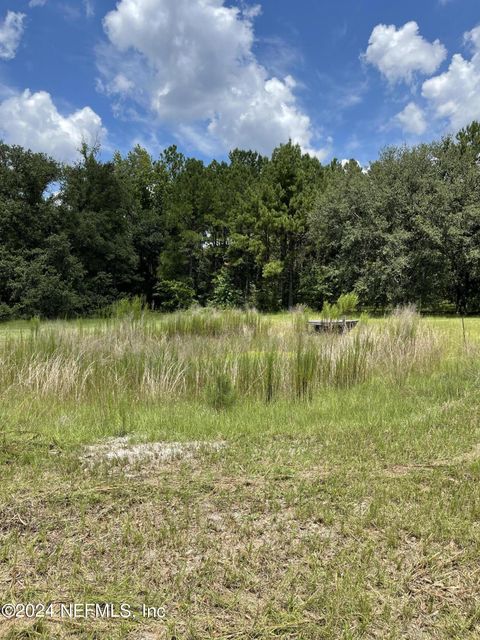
pixel 251 231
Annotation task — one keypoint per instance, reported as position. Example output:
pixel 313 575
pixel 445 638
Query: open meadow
pixel 251 479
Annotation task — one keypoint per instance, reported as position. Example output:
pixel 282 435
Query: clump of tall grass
pixel 220 392
pixel 34 325
pixel 270 378
pixel 212 322
pixel 407 345
pixel 403 324
pixel 130 309
pixel 304 370
pixel 205 355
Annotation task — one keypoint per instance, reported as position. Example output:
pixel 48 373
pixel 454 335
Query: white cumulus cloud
pixel 401 53
pixel 32 120
pixel 11 31
pixel 37 3
pixel 191 63
pixel 455 94
pixel 412 119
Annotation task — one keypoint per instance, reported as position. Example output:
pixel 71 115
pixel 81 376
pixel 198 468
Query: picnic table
pixel 333 326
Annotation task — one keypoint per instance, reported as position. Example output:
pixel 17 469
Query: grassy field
pixel 309 487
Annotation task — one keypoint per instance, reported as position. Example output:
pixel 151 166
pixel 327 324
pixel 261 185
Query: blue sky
pixel 341 78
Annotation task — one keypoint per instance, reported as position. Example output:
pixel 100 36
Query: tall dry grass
pixel 201 353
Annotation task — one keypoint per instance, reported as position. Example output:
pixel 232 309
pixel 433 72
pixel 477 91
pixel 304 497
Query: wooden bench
pixel 332 326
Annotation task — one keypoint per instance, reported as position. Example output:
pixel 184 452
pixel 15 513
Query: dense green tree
pixel 400 231
pixel 50 283
pixel 270 232
pixel 270 226
pixel 28 219
pixel 458 203
pixel 95 209
pixel 144 184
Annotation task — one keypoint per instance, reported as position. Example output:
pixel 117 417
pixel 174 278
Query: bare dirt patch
pixel 123 450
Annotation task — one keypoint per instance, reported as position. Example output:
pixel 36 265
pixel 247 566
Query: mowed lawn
pixel 348 508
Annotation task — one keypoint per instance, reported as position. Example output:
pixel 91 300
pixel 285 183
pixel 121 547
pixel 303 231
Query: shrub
pixel 6 312
pixel 346 303
pixel 173 295
pixel 225 295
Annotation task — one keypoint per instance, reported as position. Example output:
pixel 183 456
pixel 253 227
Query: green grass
pixel 341 506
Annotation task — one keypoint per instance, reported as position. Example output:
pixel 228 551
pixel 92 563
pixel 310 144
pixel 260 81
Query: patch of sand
pixel 123 449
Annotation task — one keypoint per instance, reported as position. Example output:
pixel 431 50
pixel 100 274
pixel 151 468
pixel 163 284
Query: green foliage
pixel 346 304
pixel 272 270
pixel 6 312
pixel 265 232
pixel 225 295
pixel 171 295
pixel 330 311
